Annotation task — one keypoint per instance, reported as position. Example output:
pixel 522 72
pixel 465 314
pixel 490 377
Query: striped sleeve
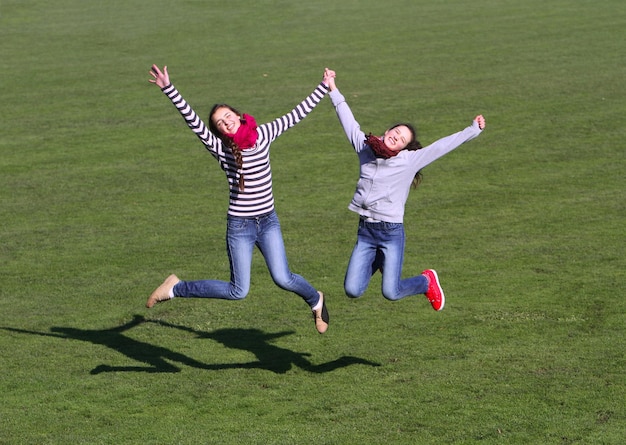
pixel 210 141
pixel 273 129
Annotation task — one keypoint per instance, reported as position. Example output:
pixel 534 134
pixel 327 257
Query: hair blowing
pixel 228 141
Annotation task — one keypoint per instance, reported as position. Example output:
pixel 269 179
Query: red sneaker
pixel 434 292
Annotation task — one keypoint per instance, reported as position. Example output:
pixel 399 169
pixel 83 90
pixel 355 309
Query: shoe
pixel 162 293
pixel 434 292
pixel 320 316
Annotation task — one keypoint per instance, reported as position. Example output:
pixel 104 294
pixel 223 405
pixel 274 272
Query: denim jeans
pixel 242 234
pixel 380 246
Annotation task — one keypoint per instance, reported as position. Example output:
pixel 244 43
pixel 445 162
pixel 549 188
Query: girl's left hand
pixel 480 120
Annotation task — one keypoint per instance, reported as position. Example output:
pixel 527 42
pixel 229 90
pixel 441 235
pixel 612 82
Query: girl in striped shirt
pixel 242 149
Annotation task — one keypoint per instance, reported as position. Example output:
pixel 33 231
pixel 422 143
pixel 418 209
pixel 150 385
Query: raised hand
pixel 480 120
pixel 329 78
pixel 160 78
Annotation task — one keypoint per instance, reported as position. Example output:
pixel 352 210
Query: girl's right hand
pixel 329 78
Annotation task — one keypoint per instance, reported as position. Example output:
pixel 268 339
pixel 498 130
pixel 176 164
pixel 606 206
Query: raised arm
pixel 350 126
pixel 161 79
pixel 279 125
pixel 445 145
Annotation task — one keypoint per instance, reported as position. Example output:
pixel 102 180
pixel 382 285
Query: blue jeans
pixel 242 234
pixel 380 246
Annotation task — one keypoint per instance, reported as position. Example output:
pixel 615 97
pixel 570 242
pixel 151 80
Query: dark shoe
pixel 434 292
pixel 320 316
pixel 162 293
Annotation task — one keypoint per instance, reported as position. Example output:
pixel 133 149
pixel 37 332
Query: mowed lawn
pixel 104 192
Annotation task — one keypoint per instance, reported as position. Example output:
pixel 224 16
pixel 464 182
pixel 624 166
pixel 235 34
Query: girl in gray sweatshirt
pixel 389 164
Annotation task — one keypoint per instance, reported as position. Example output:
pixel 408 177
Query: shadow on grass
pixel 269 357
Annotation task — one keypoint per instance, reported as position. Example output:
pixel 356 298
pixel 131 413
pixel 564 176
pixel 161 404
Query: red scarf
pixel 246 135
pixel 379 148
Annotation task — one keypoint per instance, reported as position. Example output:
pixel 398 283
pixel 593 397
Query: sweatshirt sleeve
pixel 275 128
pixel 210 141
pixel 350 126
pixel 445 145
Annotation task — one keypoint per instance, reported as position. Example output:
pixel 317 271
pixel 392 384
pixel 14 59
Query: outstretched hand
pixel 329 78
pixel 480 120
pixel 160 78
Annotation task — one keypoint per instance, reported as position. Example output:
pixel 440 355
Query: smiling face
pixel 398 137
pixel 226 120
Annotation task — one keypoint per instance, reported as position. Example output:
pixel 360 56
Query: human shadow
pixel 157 358
pixel 269 356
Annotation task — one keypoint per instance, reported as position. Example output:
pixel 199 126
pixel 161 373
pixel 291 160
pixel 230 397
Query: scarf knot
pixel 246 135
pixel 379 148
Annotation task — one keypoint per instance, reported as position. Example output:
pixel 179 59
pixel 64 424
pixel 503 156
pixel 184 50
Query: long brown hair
pixel 413 145
pixel 228 141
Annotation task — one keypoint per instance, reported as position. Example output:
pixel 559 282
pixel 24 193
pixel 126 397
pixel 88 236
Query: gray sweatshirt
pixel 384 184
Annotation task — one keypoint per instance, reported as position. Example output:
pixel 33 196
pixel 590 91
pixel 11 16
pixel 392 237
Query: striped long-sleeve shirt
pixel 257 198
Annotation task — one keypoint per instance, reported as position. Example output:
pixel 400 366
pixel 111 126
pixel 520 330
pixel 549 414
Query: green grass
pixel 104 192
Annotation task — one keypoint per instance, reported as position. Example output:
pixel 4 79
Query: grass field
pixel 104 192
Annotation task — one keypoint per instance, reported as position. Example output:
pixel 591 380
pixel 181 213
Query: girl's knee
pixel 238 293
pixel 285 282
pixel 353 292
pixel 390 297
